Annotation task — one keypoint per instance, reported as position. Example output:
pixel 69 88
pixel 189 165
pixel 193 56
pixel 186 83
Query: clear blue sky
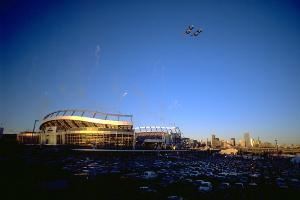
pixel 241 74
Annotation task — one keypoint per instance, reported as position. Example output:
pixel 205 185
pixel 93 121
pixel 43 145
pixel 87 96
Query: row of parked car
pixel 202 174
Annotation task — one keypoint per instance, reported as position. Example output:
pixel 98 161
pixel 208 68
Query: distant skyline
pixel 241 74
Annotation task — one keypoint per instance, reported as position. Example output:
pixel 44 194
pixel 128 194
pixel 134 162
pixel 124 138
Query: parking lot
pixel 58 173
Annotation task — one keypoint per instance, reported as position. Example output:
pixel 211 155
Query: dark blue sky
pixel 241 74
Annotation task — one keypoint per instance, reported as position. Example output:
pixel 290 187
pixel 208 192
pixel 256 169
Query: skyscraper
pixel 247 140
pixel 213 141
pixel 232 141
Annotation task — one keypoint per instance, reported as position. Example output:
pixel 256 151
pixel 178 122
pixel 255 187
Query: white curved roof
pixel 166 129
pixel 85 116
pixel 87 119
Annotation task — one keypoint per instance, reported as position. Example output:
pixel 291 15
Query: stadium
pixel 85 128
pixel 158 137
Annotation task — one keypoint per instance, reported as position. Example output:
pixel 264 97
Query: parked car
pixel 146 189
pixel 174 197
pixel 239 186
pixel 252 185
pixel 205 187
pixel 149 175
pixel 198 182
pixel 295 183
pixel 280 182
pixel 224 186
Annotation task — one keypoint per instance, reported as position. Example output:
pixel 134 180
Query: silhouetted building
pixel 28 137
pixel 1 132
pixel 232 141
pixel 215 142
pixel 247 140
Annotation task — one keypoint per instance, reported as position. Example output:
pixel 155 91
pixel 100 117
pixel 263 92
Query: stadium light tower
pixel 35 121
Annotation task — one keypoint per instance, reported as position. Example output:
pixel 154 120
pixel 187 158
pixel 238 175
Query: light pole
pixel 276 146
pixel 35 121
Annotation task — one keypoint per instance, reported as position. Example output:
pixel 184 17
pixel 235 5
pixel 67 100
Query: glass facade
pixel 101 139
pixel 88 134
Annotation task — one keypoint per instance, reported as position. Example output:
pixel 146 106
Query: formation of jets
pixel 190 31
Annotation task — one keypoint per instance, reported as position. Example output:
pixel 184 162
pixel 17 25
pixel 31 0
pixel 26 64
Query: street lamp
pixel 35 121
pixel 276 146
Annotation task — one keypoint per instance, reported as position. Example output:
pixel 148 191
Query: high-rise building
pixel 217 142
pixel 241 143
pixel 256 143
pixel 213 141
pixel 252 142
pixel 247 140
pixel 208 143
pixel 232 141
